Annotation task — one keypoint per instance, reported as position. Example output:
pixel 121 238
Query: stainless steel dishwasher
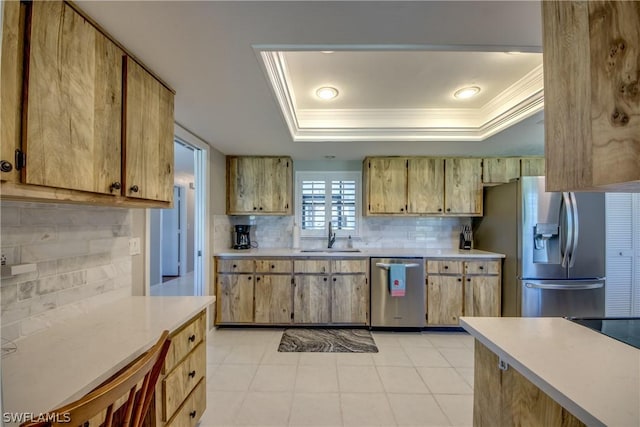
pixel 407 311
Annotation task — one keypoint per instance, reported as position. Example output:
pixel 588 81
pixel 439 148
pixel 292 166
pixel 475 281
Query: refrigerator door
pixel 587 253
pixel 567 298
pixel 545 230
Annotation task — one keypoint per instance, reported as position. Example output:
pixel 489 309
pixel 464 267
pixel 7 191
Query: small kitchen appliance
pixel 241 239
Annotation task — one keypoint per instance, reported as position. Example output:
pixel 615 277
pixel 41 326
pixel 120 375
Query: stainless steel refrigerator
pixel 554 245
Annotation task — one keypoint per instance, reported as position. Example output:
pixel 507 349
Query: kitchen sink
pixel 332 250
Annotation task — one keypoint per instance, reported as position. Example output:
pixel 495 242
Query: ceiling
pixel 211 53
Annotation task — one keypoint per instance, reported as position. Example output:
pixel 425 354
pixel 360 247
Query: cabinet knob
pixel 234 266
pixel 446 267
pixel 260 208
pixel 448 209
pixel 192 374
pixel 439 209
pixel 459 280
pixel 257 279
pixel 115 186
pixel 192 414
pixel 481 268
pixel 325 279
pixel 273 266
pixel 255 209
pixel 192 338
pixel 401 209
pixel 249 278
pixel 134 189
pixel 334 279
pixel 6 166
pixel 468 280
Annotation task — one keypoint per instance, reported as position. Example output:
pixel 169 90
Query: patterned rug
pixel 327 341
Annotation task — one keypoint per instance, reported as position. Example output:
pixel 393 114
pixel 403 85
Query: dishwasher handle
pixel 387 266
pixel 564 287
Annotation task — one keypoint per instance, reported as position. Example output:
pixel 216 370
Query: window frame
pixel 328 177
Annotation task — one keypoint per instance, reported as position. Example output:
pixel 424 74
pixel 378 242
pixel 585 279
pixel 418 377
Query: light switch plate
pixel 134 246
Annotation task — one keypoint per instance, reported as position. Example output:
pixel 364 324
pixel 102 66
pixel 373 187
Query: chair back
pixel 124 399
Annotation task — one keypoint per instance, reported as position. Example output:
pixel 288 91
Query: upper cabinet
pixel 422 186
pixel 259 185
pixel 85 123
pixel 500 170
pixel 592 102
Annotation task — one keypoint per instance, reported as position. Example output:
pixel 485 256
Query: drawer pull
pixel 481 268
pixel 273 266
pixel 192 338
pixel 192 414
pixel 192 374
pixel 234 266
pixel 446 267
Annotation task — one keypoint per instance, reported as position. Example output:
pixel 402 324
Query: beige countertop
pixel 593 376
pixel 363 253
pixel 71 358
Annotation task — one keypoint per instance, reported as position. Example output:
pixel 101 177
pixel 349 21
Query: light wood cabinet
pixel 386 185
pixel 444 300
pixel 273 304
pixel 311 299
pixel 482 296
pixel 463 186
pixel 311 266
pixel 591 66
pixel 273 266
pixel 425 185
pixel 445 267
pixel 259 185
pixel 532 166
pixel 235 298
pixel 235 265
pixel 148 137
pixel 507 398
pixel 73 106
pixel 349 299
pixel 499 170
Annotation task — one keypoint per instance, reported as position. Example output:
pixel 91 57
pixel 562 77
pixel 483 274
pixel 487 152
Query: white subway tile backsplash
pixel 82 257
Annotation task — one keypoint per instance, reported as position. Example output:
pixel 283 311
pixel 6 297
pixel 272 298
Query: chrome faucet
pixel 332 237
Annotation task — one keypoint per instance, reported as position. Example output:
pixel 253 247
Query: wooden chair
pixel 128 393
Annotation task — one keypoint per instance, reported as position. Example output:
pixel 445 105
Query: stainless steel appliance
pixel 241 239
pixel 554 245
pixel 407 311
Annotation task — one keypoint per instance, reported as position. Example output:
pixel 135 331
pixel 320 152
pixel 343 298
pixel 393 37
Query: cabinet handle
pixel 481 268
pixel 192 414
pixel 234 266
pixel 459 280
pixel 192 338
pixel 448 209
pixel 115 186
pixel 273 266
pixel 134 189
pixel 334 279
pixel 255 209
pixel 468 280
pixel 325 279
pixel 192 374
pixel 6 166
pixel 249 278
pixel 446 267
pixel 257 279
pixel 401 209
pixel 260 208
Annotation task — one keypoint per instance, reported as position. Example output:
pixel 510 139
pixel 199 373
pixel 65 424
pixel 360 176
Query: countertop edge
pixel 563 400
pixel 364 253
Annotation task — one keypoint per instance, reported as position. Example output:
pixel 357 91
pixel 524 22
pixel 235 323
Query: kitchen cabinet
pixel 462 288
pixel 349 298
pixel 423 186
pixel 531 166
pixel 311 299
pixel 499 170
pixel 591 66
pixel 507 398
pixel 259 185
pixel 234 298
pixel 273 304
pixel 320 266
pixel 148 137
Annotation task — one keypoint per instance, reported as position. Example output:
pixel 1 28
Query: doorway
pixel 175 251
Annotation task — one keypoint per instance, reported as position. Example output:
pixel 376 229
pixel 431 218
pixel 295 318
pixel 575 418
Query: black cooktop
pixel 625 329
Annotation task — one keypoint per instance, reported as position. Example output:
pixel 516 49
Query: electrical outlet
pixel 134 246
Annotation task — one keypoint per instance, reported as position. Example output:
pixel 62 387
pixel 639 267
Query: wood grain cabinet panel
pixel 311 299
pixel 311 266
pixel 148 137
pixel 349 298
pixel 499 170
pixel 181 381
pixel 235 298
pixel 72 110
pixel 482 267
pixel 445 267
pixel 386 185
pixel 425 185
pixel 191 411
pixel 183 341
pixel 349 265
pixel 273 266
pixel 531 166
pixel 235 265
pixel 463 186
pixel 273 302
pixel 444 300
pixel 482 296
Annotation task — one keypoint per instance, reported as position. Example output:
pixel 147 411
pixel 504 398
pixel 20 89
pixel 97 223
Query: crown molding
pixel 519 101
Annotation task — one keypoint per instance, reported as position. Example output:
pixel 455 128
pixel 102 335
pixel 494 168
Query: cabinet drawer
pixel 349 266
pixel 273 266
pixel 444 267
pixel 185 340
pixel 179 383
pixel 482 267
pixel 310 266
pixel 192 409
pixel 235 266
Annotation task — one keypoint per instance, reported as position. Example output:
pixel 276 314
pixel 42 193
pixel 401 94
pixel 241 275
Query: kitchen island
pixel 591 378
pixel 71 358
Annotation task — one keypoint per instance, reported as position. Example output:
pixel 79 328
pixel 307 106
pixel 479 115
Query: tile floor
pixel 416 379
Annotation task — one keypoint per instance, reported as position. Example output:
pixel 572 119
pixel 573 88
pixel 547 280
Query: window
pixel 328 196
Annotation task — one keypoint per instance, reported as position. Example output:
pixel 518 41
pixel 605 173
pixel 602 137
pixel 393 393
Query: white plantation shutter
pixel 327 196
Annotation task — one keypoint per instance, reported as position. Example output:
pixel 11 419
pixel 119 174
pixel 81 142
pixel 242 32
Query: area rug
pixel 327 341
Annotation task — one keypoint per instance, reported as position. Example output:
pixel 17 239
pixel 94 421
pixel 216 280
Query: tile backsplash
pixel 82 261
pixel 375 232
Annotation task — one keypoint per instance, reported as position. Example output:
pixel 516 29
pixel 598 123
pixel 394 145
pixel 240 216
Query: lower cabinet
pixel 311 297
pixel 273 299
pixel 235 298
pixel 444 300
pixel 349 299
pixel 482 296
pixel 507 398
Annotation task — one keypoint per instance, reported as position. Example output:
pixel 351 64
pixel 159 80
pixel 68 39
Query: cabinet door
pixel 311 299
pixel 311 266
pixel 500 170
pixel 349 299
pixel 532 167
pixel 273 299
pixel 444 300
pixel 463 187
pixel 387 185
pixel 148 141
pixel 242 187
pixel 235 298
pixel 482 296
pixel 72 110
pixel 425 185
pixel 275 185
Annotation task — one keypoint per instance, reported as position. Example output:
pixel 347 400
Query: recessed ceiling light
pixel 327 51
pixel 466 92
pixel 327 92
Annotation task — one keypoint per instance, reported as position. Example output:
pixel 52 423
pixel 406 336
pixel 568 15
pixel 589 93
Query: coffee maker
pixel 241 239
